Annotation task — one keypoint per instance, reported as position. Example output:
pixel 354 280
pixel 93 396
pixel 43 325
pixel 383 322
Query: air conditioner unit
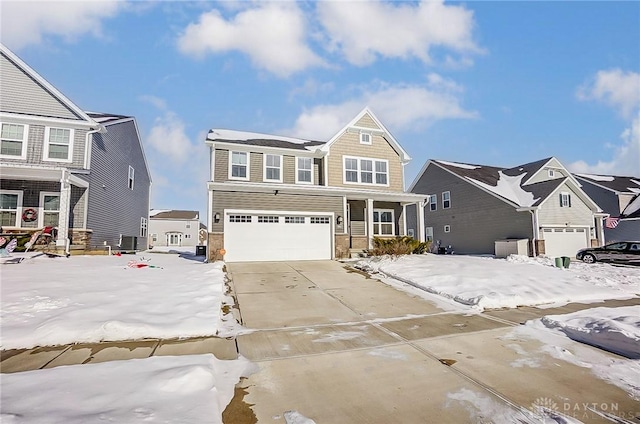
pixel 129 243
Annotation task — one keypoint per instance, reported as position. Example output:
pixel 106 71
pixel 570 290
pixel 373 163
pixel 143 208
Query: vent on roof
pixel 520 169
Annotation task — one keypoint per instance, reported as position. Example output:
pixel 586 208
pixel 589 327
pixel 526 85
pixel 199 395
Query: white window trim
pixel 447 228
pixel 144 226
pixel 248 165
pixel 298 169
pixel 393 223
pixel 433 196
pixel 551 173
pixel 428 232
pixel 359 170
pixel 443 206
pixel 264 168
pixel 25 137
pixel 19 206
pixel 361 136
pixel 564 195
pixel 131 176
pixel 45 154
pixel 41 205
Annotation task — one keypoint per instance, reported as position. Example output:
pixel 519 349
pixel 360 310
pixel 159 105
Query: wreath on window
pixel 29 215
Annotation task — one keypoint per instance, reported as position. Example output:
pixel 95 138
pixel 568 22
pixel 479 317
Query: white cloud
pixel 620 90
pixel 28 22
pixel 362 31
pixel 271 34
pixel 168 137
pixel 614 87
pixel 399 106
pixel 626 156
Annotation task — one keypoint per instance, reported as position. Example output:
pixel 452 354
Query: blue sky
pixel 495 83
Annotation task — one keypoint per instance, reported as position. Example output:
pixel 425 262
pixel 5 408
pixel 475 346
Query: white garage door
pixel 271 236
pixel 564 241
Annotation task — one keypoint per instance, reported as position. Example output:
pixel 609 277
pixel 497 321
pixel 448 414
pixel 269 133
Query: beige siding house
pixel 283 198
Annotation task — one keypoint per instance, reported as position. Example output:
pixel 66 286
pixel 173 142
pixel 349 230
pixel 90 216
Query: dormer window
pixel 365 138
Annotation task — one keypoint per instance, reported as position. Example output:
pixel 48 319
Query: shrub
pixel 402 245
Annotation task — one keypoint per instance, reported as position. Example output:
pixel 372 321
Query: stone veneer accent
pixel 342 246
pixel 216 242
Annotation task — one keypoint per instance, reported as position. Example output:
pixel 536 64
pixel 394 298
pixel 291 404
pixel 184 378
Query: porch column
pixel 65 204
pixel 404 219
pixel 600 231
pixel 370 222
pixel 420 220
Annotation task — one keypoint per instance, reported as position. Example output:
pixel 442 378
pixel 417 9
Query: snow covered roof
pixel 613 182
pixel 633 208
pixel 507 183
pixel 173 214
pixel 105 118
pixel 259 139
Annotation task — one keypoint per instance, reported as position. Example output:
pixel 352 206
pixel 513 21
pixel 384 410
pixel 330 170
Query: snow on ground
pixel 557 332
pixel 165 389
pixel 614 329
pixel 51 301
pixel 189 250
pixel 485 282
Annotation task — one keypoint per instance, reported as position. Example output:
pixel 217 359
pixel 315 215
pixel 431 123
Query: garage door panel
pixel 278 241
pixel 564 241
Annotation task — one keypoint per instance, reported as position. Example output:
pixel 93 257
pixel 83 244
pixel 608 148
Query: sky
pixel 497 83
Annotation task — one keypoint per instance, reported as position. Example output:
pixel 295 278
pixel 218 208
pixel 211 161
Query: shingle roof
pixel 174 214
pixel 264 140
pixel 613 182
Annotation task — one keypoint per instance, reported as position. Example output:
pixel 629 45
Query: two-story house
pixel 174 228
pixel 81 172
pixel 284 198
pixel 620 198
pixel 470 207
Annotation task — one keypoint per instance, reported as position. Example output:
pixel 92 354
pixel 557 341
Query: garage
pixel 564 241
pixel 277 236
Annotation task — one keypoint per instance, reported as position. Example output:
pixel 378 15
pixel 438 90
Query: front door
pixel 174 239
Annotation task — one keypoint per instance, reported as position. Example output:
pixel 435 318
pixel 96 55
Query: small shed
pixel 508 247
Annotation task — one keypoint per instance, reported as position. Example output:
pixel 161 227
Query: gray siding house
pixel 81 172
pixel 470 207
pixel 620 198
pixel 282 198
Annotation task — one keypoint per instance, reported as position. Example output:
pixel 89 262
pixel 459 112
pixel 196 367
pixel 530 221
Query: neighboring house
pixel 283 198
pixel 620 198
pixel 470 207
pixel 174 228
pixel 84 173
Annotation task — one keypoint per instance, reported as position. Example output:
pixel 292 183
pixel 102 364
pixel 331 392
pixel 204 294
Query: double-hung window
pixel 428 233
pixel 446 199
pixel 383 222
pixel 304 170
pixel 273 168
pixel 433 202
pixel 50 204
pixel 13 141
pixel 366 171
pixel 58 144
pixel 565 200
pixel 131 177
pixel 143 227
pixel 239 169
pixel 10 203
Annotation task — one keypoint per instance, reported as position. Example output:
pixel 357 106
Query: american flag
pixel 611 222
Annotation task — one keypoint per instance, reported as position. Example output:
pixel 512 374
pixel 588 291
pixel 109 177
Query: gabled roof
pixel 173 214
pixel 106 118
pixel 617 184
pixel 50 89
pixel 263 140
pixel 404 156
pixel 509 184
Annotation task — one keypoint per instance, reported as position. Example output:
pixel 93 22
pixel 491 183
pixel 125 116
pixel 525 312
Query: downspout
pixel 533 232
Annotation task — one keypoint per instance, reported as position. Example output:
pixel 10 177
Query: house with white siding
pixel 174 228
pixel 84 173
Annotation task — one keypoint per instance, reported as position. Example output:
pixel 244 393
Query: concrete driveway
pixel 339 347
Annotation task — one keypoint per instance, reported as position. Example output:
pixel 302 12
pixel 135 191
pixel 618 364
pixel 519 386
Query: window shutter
pixel 560 199
pixel 569 197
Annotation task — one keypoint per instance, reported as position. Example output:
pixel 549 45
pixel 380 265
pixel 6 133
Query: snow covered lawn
pixel 50 301
pixel 484 282
pixel 165 389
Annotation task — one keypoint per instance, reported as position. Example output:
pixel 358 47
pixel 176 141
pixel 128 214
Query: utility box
pixel 508 247
pixel 129 243
pixel 201 250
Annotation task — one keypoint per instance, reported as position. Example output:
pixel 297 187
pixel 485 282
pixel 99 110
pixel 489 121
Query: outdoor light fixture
pixel 339 220
pixel 216 217
pixel 275 192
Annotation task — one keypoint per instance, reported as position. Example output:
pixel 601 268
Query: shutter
pixel 560 199
pixel 569 197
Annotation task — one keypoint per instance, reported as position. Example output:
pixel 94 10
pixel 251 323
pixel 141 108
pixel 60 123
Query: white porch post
pixel 600 231
pixel 370 222
pixel 404 219
pixel 420 223
pixel 65 204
